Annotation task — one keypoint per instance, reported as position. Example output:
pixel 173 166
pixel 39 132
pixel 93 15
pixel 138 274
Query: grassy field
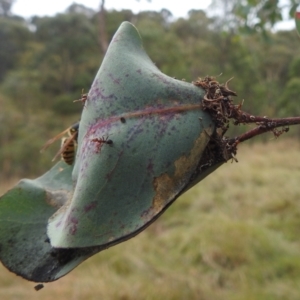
pixel 235 236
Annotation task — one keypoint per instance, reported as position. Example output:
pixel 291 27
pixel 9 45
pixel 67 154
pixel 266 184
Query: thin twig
pixel 265 125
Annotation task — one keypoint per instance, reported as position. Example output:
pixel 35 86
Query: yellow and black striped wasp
pixel 68 144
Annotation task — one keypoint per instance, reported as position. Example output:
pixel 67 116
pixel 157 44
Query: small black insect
pixel 38 286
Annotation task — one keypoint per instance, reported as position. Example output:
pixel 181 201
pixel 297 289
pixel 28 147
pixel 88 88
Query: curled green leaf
pixel 141 140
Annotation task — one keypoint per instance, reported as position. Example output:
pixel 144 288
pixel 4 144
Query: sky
pixel 27 8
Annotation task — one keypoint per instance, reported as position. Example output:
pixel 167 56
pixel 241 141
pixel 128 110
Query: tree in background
pixel 103 35
pixel 45 63
pixel 5 7
pixel 102 28
pixel 252 15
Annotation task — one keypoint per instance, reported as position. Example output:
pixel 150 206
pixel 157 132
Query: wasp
pixel 68 145
pixel 83 98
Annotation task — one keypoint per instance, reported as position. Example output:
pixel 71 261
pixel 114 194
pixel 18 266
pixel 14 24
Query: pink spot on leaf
pixel 90 206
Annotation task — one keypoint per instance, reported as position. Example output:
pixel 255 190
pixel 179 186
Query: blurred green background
pixel 235 235
pixel 45 62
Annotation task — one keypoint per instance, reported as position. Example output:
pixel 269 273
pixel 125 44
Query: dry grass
pixel 7 184
pixel 233 236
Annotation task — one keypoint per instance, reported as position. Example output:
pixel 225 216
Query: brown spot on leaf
pixel 62 209
pixel 168 187
pixel 57 198
pixel 90 206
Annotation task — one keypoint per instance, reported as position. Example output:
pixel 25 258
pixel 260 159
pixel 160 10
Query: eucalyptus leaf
pixel 157 139
pixel 24 211
pixel 141 138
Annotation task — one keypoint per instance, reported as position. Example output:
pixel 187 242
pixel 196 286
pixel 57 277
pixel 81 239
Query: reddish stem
pixel 265 125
